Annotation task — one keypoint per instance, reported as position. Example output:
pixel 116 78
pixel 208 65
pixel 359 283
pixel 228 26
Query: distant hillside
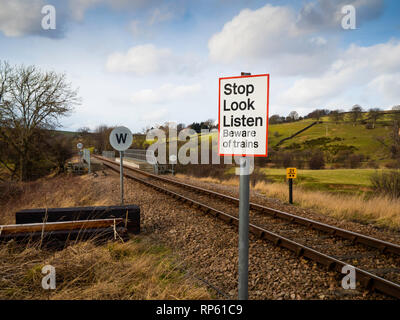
pixel 328 133
pixel 329 136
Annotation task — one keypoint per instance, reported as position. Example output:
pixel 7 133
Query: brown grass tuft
pixel 379 210
pixel 137 269
pixel 133 270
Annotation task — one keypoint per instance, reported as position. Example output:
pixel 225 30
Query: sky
pixel 139 63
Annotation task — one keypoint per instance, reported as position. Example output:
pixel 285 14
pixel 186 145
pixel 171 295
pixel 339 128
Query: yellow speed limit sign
pixel 291 173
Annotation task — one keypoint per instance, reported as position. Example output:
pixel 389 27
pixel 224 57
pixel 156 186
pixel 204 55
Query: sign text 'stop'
pixel 121 138
pixel 243 115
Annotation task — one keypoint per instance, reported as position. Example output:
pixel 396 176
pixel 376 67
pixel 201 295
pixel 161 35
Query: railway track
pixel 376 262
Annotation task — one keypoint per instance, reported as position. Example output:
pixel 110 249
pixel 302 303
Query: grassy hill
pixel 328 135
pixel 344 133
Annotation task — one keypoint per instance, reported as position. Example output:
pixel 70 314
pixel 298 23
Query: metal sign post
pixel 172 160
pixel 291 173
pixel 121 139
pixel 243 131
pixel 244 191
pixel 80 146
pixel 121 175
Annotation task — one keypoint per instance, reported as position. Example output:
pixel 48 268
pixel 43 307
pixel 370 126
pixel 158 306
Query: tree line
pixel 32 101
pixel 355 115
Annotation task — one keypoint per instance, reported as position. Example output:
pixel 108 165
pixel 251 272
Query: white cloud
pixel 148 59
pixel 20 17
pixel 79 7
pixel 155 115
pixel 388 86
pixel 326 14
pixel 141 60
pixel 271 35
pixel 134 28
pixel 164 94
pixel 159 15
pixel 287 41
pixel 371 70
pixel 255 34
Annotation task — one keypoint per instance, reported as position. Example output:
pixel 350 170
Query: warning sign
pixel 243 115
pixel 291 173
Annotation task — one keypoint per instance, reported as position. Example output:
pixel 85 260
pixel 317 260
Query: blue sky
pixel 138 62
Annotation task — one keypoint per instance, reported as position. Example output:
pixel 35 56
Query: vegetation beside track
pixel 136 269
pixel 347 181
pixel 379 210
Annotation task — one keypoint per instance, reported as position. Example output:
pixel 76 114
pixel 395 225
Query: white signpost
pixel 243 115
pixel 121 139
pixel 172 160
pixel 80 146
pixel 243 131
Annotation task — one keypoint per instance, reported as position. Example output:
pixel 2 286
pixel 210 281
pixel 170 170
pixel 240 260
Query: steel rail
pixel 383 246
pixel 368 280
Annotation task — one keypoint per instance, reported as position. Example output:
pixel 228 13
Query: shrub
pixel 10 190
pixel 257 176
pixel 287 159
pixel 393 165
pixel 317 161
pixel 387 183
pixel 373 164
pixel 355 160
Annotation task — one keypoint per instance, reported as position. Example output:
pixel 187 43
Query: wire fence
pixel 109 155
pixel 144 158
pixel 141 155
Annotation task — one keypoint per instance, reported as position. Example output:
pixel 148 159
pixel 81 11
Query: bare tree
pixel 317 114
pixel 101 138
pixel 293 116
pixel 336 116
pixel 396 114
pixel 355 113
pixel 374 114
pixel 31 99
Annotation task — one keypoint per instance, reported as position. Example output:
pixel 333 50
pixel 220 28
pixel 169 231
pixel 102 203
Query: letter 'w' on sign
pixel 121 137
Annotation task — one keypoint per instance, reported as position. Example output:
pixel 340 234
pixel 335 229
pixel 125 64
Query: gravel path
pixel 256 197
pixel 209 248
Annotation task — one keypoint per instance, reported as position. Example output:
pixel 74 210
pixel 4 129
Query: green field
pixel 364 140
pixel 336 180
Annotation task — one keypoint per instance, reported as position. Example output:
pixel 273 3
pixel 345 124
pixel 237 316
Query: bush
pixel 373 164
pixel 387 183
pixel 287 159
pixel 257 176
pixel 393 165
pixel 355 160
pixel 10 190
pixel 277 134
pixel 317 161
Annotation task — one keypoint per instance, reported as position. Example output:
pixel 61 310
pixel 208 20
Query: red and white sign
pixel 243 116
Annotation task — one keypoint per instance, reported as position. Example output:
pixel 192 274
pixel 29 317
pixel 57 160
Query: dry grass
pixel 137 269
pixel 381 211
pixel 131 270
pixel 58 191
